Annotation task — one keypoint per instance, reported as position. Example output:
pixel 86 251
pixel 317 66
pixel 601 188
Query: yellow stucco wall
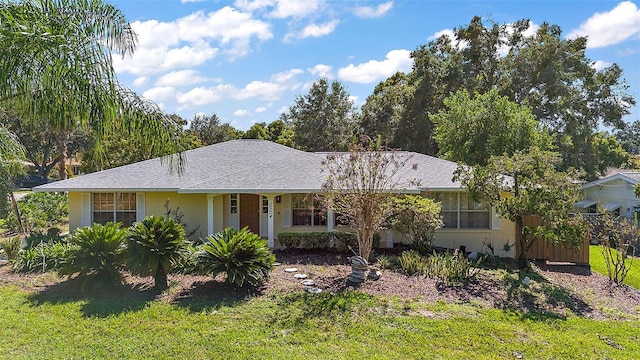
pixel 75 211
pixel 194 208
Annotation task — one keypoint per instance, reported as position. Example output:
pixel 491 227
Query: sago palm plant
pixel 96 254
pixel 154 246
pixel 242 255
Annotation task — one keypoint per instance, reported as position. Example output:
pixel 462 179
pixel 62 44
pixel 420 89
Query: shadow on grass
pixel 212 295
pixel 539 298
pixel 97 300
pixel 297 308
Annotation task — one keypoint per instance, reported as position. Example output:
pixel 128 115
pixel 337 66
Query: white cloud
pixel 193 40
pixel 373 12
pixel 600 64
pixel 609 28
pixel 180 78
pixel 140 81
pixel 202 95
pixel 260 109
pixel 241 112
pixel 161 93
pixel 321 70
pixel 253 5
pixel 286 76
pixel 190 1
pixel 296 8
pixel 261 90
pixel 318 30
pixel 373 70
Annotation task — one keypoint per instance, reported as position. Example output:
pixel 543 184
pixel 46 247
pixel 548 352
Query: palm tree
pixel 154 246
pixel 11 155
pixel 56 63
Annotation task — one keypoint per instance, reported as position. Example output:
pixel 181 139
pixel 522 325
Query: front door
pixel 250 212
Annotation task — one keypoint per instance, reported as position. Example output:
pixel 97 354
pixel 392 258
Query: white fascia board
pixel 94 190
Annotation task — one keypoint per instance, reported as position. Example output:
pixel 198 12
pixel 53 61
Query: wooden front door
pixel 250 212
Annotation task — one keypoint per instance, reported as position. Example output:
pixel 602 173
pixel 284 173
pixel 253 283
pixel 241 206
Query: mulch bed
pixel 555 290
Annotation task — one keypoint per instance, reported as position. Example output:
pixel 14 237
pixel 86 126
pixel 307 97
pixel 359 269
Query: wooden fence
pixel 544 250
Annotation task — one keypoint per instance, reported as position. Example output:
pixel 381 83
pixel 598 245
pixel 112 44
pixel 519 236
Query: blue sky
pixel 247 60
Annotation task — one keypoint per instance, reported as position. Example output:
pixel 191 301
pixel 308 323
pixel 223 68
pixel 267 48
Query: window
pixel 307 211
pixel 115 207
pixel 459 211
pixel 233 205
pixel 265 205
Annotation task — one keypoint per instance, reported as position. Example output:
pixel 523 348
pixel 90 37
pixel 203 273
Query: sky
pixel 248 60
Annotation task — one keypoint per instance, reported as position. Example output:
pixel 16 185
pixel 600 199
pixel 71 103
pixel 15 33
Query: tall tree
pixel 257 131
pixel 382 111
pixel 114 150
pixel 210 129
pixel 41 141
pixel 629 137
pixel 471 130
pixel 541 69
pixel 55 63
pixel 536 188
pixel 324 119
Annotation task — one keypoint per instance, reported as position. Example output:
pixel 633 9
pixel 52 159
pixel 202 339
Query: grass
pixel 57 323
pixel 596 260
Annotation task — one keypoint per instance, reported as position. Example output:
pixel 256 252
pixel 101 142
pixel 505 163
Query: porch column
pixel 271 239
pixel 330 223
pixel 210 214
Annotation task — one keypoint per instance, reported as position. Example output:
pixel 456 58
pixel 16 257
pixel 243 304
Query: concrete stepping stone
pixel 291 270
pixel 300 276
pixel 314 290
pixel 308 282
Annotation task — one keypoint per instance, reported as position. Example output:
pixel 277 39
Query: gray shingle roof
pixel 256 166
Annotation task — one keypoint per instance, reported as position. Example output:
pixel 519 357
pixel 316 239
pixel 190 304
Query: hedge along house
pixel 268 188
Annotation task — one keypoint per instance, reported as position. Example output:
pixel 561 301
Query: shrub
pixel 154 246
pixel 242 255
pixel 11 247
pixel 412 262
pixel 96 254
pixel 42 257
pixel 187 264
pixel 39 211
pixel 417 219
pixel 305 240
pixel 342 241
pixel 619 239
pixel 388 262
pixel 40 252
pixel 450 268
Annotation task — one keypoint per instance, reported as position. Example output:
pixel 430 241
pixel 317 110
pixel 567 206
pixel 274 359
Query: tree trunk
pixel 16 210
pixel 161 278
pixel 62 160
pixel 523 260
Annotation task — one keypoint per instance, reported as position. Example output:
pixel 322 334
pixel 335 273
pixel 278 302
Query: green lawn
pixel 53 323
pixel 596 260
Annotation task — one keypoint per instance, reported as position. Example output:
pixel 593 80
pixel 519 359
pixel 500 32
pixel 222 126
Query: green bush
pixel 40 252
pixel 388 262
pixel 42 257
pixel 305 240
pixel 154 246
pixel 242 255
pixel 39 211
pixel 450 268
pixel 412 262
pixel 11 247
pixel 96 254
pixel 187 264
pixel 343 240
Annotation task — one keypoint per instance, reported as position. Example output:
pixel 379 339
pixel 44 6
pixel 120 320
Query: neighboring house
pixel 613 193
pixel 264 186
